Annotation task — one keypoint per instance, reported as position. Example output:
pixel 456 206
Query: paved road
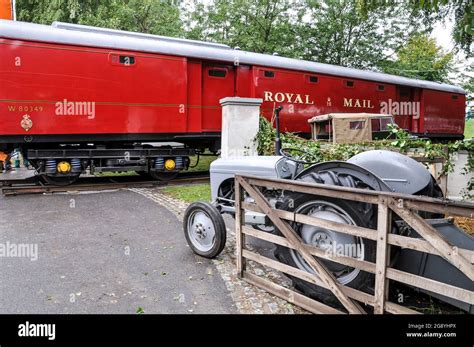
pixel 108 252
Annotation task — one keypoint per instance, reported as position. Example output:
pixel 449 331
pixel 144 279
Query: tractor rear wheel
pixel 335 210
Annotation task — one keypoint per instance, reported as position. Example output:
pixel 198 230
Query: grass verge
pixel 203 165
pixel 469 129
pixel 190 193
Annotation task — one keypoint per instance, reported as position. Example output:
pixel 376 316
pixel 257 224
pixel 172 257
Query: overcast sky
pixel 442 34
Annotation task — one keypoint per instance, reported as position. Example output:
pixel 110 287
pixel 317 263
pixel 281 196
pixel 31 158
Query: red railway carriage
pixel 72 87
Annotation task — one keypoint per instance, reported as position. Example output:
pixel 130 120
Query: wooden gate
pixel 404 206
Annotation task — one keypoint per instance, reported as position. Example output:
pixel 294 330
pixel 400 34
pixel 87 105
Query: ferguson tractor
pixel 377 170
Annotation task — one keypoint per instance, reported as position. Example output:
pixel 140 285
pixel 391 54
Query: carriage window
pixel 269 74
pixel 217 73
pixel 127 60
pixel 380 87
pixel 454 97
pixel 360 124
pixel 349 83
pixel 313 79
pixel 404 92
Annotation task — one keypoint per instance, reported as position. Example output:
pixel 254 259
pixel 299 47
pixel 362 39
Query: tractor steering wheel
pixel 299 158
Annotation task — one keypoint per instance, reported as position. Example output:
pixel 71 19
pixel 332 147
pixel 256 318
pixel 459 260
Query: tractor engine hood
pixel 265 166
pixel 400 172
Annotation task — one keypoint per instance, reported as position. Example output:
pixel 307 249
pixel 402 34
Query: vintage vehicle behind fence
pixel 350 127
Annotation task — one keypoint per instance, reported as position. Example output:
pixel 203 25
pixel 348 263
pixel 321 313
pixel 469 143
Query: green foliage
pixel 468 86
pixel 203 164
pixel 265 138
pixel 147 16
pixel 469 129
pixel 336 33
pixel 263 26
pixel 422 59
pixel 460 12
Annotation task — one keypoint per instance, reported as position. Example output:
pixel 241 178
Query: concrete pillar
pixel 240 119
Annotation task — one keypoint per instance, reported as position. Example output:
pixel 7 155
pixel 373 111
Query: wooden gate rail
pixel 405 206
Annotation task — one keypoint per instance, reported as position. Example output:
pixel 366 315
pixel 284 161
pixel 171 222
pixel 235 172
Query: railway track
pixel 98 184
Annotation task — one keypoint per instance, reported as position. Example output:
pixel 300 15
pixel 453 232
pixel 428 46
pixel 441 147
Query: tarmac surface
pixel 107 252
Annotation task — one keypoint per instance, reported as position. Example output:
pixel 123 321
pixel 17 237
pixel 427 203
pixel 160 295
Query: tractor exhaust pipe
pixel 277 126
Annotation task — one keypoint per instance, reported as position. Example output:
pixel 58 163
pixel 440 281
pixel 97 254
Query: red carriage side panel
pixel 243 81
pixel 444 113
pixel 218 81
pixel 404 96
pixel 133 92
pixel 194 85
pixel 288 88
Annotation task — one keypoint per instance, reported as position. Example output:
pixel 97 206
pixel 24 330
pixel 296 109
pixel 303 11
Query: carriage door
pixel 405 95
pixel 218 81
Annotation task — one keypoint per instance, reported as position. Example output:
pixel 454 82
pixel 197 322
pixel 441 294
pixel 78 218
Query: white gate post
pixel 240 120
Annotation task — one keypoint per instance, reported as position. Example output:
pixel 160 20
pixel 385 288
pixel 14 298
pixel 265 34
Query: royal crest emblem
pixel 26 122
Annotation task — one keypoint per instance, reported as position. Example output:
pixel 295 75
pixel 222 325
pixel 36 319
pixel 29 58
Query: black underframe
pixel 103 138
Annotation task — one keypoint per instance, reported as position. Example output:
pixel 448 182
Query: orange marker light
pixel 6 9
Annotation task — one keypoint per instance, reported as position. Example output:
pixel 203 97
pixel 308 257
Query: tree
pixel 460 12
pixel 468 86
pixel 263 26
pixel 421 58
pixel 148 16
pixel 334 32
pixel 151 16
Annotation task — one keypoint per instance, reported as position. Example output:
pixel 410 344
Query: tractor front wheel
pixel 204 229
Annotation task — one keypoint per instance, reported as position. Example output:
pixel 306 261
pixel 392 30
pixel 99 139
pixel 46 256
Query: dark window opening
pixel 380 124
pixel 349 83
pixel 380 87
pixel 126 60
pixel 375 124
pixel 360 124
pixel 217 73
pixel 454 97
pixel 384 123
pixel 404 92
pixel 313 79
pixel 269 74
